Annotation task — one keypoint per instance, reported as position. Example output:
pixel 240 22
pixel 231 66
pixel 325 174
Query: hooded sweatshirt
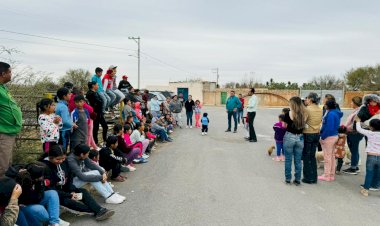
pixel 138 110
pixel 365 112
pixel 331 123
pixel 154 105
pixel 80 166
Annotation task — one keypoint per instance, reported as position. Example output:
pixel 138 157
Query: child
pixel 246 126
pixel 128 151
pixel 81 118
pixel 373 152
pixel 197 111
pixel 94 156
pixel 50 124
pixel 340 148
pixel 10 191
pixel 279 133
pixel 110 159
pixel 62 110
pixel 205 121
pixel 130 122
pixel 138 135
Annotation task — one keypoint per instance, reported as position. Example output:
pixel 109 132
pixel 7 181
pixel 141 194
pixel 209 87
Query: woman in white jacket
pixel 138 135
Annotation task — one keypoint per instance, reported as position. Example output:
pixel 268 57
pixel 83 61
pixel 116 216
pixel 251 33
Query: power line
pixel 98 45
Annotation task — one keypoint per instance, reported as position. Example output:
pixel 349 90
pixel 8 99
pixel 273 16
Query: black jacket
pixel 124 85
pixel 109 158
pixel 61 179
pixel 95 101
pixel 189 105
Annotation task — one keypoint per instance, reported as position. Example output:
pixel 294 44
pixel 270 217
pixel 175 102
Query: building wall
pixel 195 88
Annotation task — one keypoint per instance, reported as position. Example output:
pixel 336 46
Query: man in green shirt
pixel 10 119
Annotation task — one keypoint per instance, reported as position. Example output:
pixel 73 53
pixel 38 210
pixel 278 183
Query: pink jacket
pixel 128 141
pixel 138 110
pixel 149 135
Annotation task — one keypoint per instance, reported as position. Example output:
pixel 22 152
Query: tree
pixel 326 82
pixel 79 77
pixel 364 78
pixel 271 84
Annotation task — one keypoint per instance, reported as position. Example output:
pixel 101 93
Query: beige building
pixel 194 88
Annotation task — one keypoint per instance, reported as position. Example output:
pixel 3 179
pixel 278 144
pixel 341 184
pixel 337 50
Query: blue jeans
pixel 240 115
pixel 162 134
pixel 112 97
pixel 293 146
pixel 47 211
pixel 189 118
pixel 234 115
pixel 104 189
pixel 105 100
pixel 26 218
pixel 372 169
pixel 353 141
pixel 64 139
pixel 280 148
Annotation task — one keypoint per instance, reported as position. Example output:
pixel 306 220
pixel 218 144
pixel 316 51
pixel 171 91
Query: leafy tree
pixel 326 82
pixel 364 78
pixel 79 77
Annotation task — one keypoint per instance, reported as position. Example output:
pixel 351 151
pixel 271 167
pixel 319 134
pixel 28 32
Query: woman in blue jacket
pixel 329 137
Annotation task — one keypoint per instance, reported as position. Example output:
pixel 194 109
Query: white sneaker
pixel 121 197
pixel 131 168
pixel 145 156
pixel 114 199
pixel 63 223
pixel 203 134
pixel 191 127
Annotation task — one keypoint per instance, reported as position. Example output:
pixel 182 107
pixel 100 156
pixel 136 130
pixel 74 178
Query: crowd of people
pixel 73 159
pixel 305 128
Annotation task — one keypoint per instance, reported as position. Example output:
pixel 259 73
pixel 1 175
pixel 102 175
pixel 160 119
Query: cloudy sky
pixel 284 39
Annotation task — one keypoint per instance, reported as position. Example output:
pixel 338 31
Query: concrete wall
pixel 267 98
pixel 348 95
pixel 195 88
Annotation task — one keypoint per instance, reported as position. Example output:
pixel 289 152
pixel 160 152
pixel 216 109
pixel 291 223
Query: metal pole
pixel 137 40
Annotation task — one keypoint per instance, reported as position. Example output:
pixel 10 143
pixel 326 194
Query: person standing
pixel 329 137
pixel 106 100
pixel 96 103
pixel 293 139
pixel 175 106
pixel 10 119
pixel 62 110
pixel 251 109
pixel 232 105
pixel 353 137
pixel 311 138
pixel 241 110
pixel 189 106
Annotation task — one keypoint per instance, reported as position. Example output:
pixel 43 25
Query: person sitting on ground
pixel 373 153
pixel 138 135
pixel 130 152
pixel 110 158
pixel 86 172
pixel 39 202
pixel 81 118
pixel 49 123
pixel 160 130
pixel 169 123
pixel 127 137
pixel 61 180
pixel 150 136
pixel 137 108
pixel 10 191
pixel 130 122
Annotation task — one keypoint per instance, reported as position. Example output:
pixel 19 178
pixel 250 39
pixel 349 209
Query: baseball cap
pixel 112 67
pixel 125 76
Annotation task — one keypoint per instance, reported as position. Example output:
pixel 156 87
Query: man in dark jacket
pixel 96 102
pixel 124 85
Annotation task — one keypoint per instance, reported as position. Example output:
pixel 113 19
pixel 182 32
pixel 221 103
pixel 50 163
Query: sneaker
pixel 371 188
pixel 191 127
pixel 277 159
pixel 228 130
pixel 104 214
pixel 114 199
pixel 351 171
pixel 324 178
pixel 235 131
pixel 297 182
pixel 357 170
pixel 145 156
pixel 120 196
pixel 119 179
pixel 140 160
pixel 63 223
pixel 287 182
pixel 283 158
pixel 131 168
pixel 364 192
pixel 203 133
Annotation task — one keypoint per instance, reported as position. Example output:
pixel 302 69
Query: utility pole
pixel 137 40
pixel 216 70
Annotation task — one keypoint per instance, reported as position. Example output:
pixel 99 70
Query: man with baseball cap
pixel 124 85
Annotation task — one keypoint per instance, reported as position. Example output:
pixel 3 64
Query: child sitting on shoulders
pixel 279 133
pixel 340 150
pixel 373 152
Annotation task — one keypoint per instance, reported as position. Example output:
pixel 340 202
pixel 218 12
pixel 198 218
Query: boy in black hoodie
pixel 61 180
pixel 110 158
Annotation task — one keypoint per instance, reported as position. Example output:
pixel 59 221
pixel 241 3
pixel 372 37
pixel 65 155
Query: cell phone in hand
pixel 79 196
